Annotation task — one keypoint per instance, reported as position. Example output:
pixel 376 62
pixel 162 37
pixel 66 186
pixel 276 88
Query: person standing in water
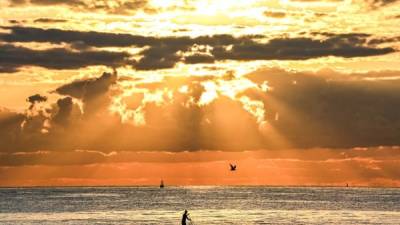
pixel 185 217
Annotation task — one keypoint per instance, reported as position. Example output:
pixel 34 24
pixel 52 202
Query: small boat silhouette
pixel 233 167
pixel 162 184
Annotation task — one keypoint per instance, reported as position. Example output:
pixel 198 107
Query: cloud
pixel 298 110
pixel 89 88
pixel 17 2
pixel 380 3
pixel 275 14
pixel 92 92
pixel 10 128
pixel 108 6
pixel 158 57
pixel 317 156
pixel 316 1
pixel 314 111
pixel 95 39
pixel 199 58
pixel 13 57
pixel 102 39
pixel 57 2
pixel 301 48
pixel 36 99
pixel 65 108
pixel 165 52
pixel 49 20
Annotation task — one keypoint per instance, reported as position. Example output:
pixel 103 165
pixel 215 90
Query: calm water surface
pixel 207 205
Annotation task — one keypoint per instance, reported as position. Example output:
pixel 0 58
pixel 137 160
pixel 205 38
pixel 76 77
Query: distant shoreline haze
pixel 368 167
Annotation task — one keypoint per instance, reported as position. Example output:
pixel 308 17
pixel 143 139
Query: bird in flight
pixel 233 167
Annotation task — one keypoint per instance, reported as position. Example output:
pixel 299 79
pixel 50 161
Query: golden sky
pixel 296 92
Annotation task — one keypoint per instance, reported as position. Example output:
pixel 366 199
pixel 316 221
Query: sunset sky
pixel 129 92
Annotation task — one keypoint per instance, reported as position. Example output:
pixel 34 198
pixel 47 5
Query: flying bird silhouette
pixel 233 167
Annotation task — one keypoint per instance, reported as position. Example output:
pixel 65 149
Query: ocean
pixel 206 205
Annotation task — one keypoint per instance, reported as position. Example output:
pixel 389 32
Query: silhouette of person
pixel 185 217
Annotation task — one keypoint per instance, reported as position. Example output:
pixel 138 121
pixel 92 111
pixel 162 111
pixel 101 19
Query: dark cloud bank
pixel 13 57
pixel 314 111
pixel 165 52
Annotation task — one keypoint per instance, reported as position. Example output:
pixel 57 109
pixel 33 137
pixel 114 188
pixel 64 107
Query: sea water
pixel 206 205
